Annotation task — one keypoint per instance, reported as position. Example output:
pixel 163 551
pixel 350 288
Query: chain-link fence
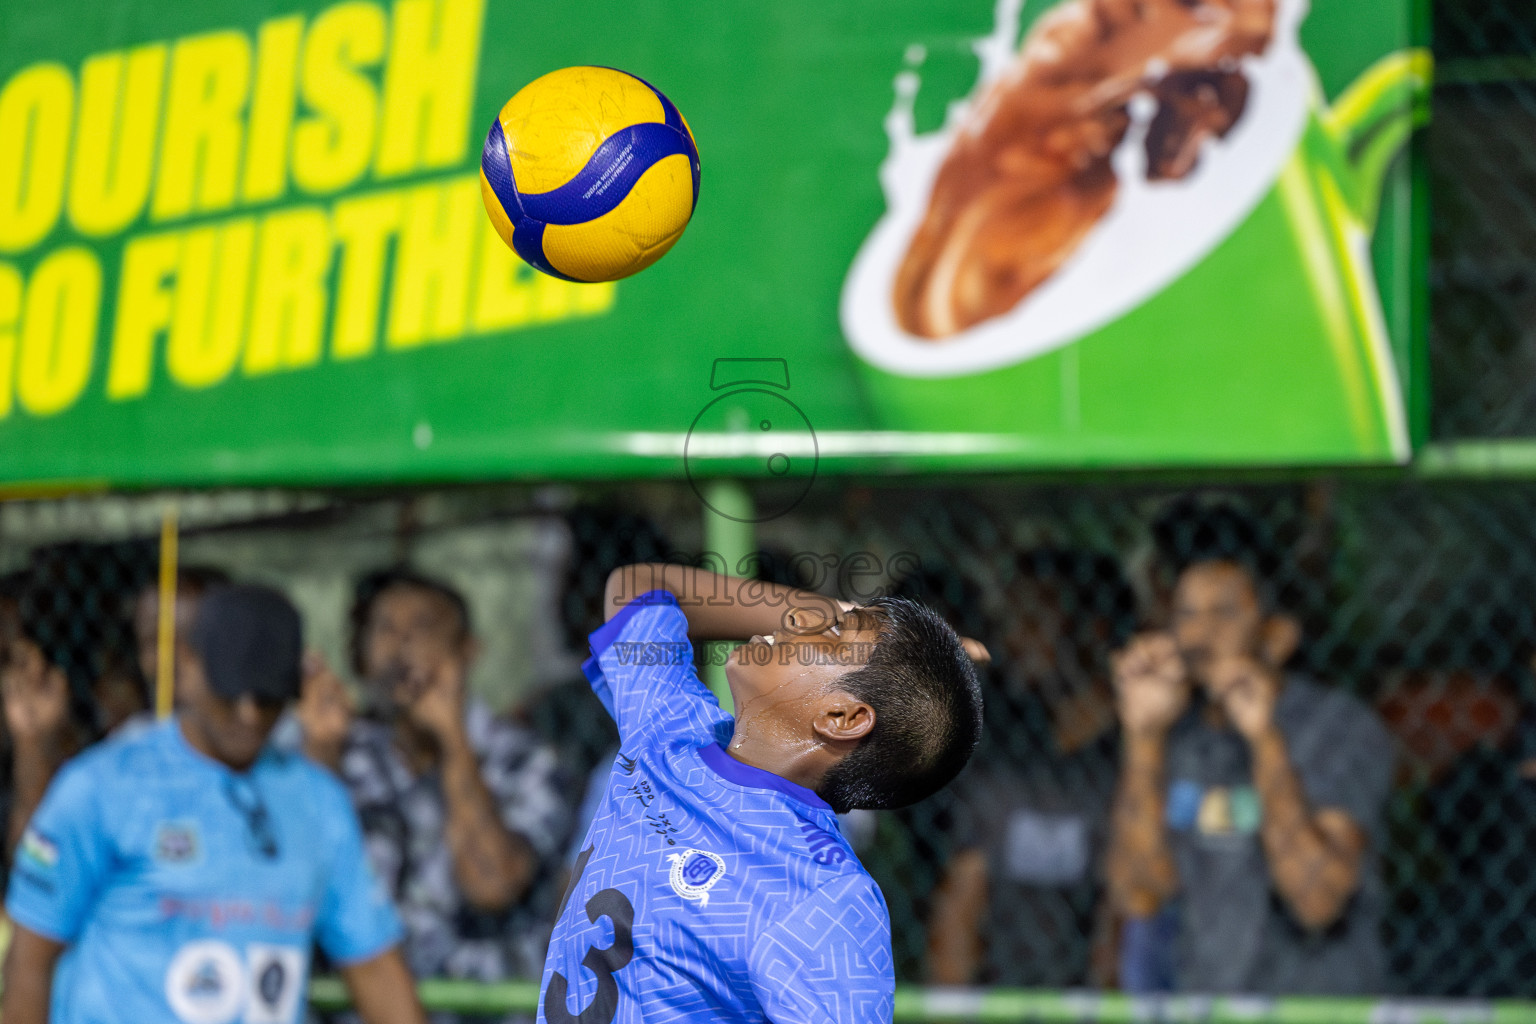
pixel 1482 176
pixel 1414 598
pixel 1417 599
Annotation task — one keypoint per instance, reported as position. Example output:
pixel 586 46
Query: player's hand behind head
pixel 850 616
pixel 1151 685
pixel 812 614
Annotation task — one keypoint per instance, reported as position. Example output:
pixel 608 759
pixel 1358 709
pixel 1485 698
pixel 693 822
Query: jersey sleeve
pixel 642 669
pixel 62 863
pixel 828 960
pixel 356 921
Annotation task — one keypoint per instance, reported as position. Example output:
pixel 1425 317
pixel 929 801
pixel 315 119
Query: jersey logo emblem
pixel 176 842
pixel 694 873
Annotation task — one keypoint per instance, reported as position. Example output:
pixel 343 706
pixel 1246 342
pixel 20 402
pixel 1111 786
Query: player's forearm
pixel 382 990
pixel 717 607
pixel 1313 876
pixel 28 978
pixel 492 864
pixel 34 764
pixel 1140 867
pixel 26 997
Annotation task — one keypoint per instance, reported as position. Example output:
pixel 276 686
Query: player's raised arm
pixel 720 607
pixel 724 607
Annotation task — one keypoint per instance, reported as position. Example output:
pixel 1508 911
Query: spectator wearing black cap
pixel 462 810
pixel 186 872
pixel 44 718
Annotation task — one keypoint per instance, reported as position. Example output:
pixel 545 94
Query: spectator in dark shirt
pixel 1021 899
pixel 1250 799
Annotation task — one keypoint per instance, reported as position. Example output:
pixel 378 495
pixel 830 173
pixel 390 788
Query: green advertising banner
pixel 244 242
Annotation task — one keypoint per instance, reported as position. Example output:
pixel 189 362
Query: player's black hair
pixel 950 593
pixel 366 592
pixel 927 705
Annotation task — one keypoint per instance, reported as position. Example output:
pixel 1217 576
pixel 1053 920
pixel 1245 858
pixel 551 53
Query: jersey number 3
pixel 615 906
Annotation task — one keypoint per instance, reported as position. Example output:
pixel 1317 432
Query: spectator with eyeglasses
pixel 185 873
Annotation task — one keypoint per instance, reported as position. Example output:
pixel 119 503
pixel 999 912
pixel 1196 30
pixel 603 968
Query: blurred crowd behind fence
pixel 1413 595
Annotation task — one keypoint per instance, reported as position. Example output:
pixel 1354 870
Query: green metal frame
pixel 1511 459
pixel 997 1006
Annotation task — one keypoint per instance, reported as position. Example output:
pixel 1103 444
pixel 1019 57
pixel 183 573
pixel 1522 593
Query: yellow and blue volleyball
pixel 590 174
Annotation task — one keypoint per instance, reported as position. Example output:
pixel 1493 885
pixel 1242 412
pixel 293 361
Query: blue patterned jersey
pixel 706 889
pixel 188 892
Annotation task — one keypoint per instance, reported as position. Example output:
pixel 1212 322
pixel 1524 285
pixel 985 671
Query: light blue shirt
pixel 186 891
pixel 706 889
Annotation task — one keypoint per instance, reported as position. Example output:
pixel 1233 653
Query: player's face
pixel 1216 612
pixel 231 731
pixel 410 633
pixel 802 660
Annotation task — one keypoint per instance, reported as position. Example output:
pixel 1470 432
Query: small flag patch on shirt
pixel 39 849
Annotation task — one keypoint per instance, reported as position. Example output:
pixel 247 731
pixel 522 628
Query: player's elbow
pixel 613 592
pixel 625 584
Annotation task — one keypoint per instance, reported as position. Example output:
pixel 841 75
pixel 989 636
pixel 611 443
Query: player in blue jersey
pixel 183 874
pixel 714 884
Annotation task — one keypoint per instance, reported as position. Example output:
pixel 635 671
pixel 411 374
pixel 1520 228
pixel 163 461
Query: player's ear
pixel 843 718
